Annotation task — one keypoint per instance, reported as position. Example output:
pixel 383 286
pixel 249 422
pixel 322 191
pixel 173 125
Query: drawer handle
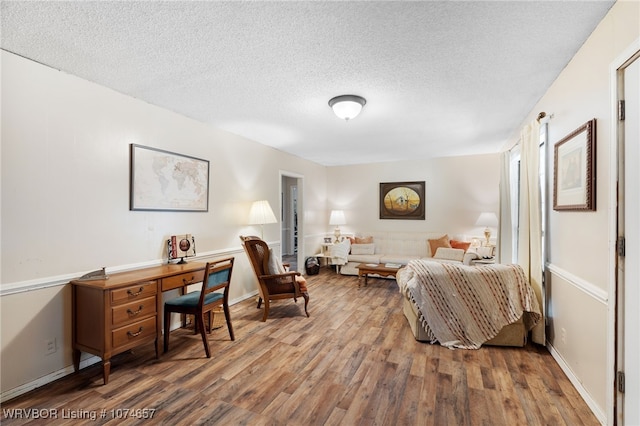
pixel 132 313
pixel 130 334
pixel 137 293
pixel 187 282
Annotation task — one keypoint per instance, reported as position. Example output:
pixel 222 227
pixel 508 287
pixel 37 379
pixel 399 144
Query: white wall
pixel 580 270
pixel 457 190
pixel 65 201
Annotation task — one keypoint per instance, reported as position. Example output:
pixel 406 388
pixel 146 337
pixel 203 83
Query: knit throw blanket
pixel 464 306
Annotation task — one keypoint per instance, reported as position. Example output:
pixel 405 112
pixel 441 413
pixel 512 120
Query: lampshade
pixel 347 106
pixel 261 213
pixel 337 218
pixel 487 219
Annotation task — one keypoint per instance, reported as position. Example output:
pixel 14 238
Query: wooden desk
pixel 124 311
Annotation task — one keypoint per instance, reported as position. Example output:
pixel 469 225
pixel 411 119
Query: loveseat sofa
pixel 400 247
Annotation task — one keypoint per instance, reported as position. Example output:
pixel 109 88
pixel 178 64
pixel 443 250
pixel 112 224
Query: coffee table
pixel 364 269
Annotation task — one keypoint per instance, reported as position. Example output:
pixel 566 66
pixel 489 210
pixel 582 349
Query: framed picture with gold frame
pixel 402 200
pixel 574 170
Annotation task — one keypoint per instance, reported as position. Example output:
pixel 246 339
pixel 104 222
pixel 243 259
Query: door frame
pixel 616 324
pixel 300 211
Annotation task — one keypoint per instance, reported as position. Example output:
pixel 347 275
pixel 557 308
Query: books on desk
pixel 392 265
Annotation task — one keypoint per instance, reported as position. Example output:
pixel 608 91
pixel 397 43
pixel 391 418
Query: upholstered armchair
pixel 274 282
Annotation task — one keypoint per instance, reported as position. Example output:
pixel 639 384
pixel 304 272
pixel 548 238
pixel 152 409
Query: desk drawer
pixel 133 311
pixel 181 280
pixel 134 292
pixel 133 332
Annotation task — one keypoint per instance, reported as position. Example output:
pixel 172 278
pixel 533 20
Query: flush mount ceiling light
pixel 347 106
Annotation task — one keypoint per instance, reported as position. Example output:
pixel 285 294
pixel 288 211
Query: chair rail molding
pixel 585 286
pixel 59 280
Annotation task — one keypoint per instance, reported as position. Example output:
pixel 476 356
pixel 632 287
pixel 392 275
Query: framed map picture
pixel 163 180
pixel 402 200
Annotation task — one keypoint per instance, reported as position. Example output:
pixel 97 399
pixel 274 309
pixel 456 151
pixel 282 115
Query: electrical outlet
pixel 50 346
pixel 563 335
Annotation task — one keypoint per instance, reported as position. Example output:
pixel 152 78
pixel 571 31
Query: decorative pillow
pixel 352 240
pixel 460 244
pixel 363 240
pixel 340 250
pixel 440 242
pixel 449 254
pixel 275 265
pixel 363 249
pixel 303 283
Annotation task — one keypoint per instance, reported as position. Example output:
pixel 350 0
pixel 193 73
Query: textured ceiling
pixel 441 78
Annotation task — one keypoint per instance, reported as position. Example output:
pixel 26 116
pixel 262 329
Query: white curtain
pixel 505 244
pixel 530 232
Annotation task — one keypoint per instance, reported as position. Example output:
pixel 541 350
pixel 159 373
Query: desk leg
pixel 106 369
pixel 76 359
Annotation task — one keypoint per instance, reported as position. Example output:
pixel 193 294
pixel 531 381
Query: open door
pixel 627 368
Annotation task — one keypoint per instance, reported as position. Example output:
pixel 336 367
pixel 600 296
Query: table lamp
pixel 487 219
pixel 337 218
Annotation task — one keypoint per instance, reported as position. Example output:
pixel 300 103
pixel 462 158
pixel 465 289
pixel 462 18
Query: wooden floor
pixel 353 362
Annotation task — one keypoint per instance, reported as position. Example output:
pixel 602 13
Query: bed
pixel 460 306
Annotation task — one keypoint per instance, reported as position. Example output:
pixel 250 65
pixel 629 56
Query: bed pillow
pixel 363 249
pixel 445 253
pixel 439 242
pixel 460 244
pixel 363 240
pixel 275 265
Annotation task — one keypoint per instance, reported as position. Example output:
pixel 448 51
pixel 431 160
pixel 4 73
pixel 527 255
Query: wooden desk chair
pixel 199 303
pixel 273 282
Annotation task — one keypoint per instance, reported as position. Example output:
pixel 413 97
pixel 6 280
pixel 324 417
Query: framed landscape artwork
pixel 163 180
pixel 574 170
pixel 402 200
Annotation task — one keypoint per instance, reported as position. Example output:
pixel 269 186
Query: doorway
pixel 291 218
pixel 627 346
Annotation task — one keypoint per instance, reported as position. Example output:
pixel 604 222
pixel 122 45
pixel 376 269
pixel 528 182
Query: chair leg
pixel 266 310
pixel 259 302
pixel 167 325
pixel 203 333
pixel 306 302
pixel 227 317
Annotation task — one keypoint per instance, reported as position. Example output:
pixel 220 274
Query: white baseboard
pixel 44 380
pixel 597 411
